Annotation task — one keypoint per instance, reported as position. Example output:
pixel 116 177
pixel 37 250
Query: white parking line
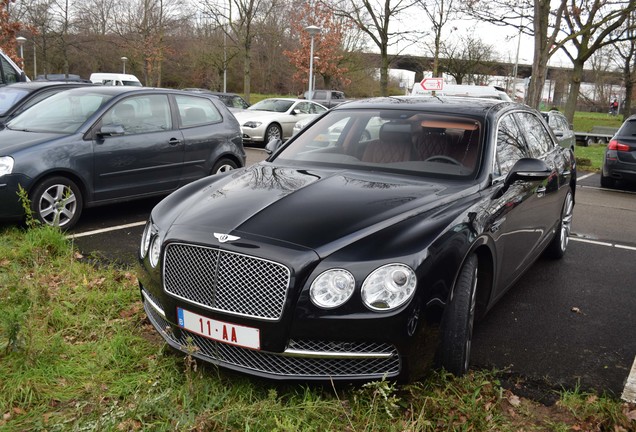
pixel 584 177
pixel 600 243
pixel 629 392
pixel 105 230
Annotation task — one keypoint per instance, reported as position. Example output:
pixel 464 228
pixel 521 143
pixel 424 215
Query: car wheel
pixel 223 165
pixel 273 132
pixel 57 201
pixel 459 316
pixel 557 247
pixel 589 142
pixel 607 182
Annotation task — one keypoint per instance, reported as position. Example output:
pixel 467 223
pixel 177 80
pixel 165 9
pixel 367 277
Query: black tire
pixel 273 132
pixel 459 317
pixel 588 142
pixel 223 165
pixel 57 201
pixel 607 182
pixel 559 244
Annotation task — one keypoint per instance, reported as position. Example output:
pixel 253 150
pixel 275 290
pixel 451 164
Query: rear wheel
pixel 557 247
pixel 223 165
pixel 57 201
pixel 459 317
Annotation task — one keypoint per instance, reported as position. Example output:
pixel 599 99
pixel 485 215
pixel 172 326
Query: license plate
pixel 232 334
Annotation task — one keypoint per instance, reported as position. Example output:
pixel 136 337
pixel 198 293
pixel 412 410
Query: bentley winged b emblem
pixel 224 238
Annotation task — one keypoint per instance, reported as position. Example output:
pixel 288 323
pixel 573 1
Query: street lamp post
pixel 313 77
pixel 21 40
pixel 124 60
pixel 313 31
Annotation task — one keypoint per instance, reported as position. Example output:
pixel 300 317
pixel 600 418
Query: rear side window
pixel 8 73
pixel 537 136
pixel 628 128
pixel 196 111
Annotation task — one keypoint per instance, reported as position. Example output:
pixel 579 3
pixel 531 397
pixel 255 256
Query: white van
pixel 491 92
pixel 9 71
pixel 115 79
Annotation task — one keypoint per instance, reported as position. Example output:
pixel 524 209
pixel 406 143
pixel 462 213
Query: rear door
pixel 144 155
pixel 204 133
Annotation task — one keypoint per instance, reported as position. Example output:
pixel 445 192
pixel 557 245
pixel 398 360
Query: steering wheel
pixel 442 158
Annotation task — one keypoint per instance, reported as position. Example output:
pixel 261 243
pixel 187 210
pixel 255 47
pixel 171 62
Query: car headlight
pixel 389 287
pixel 332 288
pixel 145 239
pixel 6 165
pixel 252 124
pixel 155 250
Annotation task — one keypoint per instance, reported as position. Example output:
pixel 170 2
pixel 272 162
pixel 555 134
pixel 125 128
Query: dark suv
pixel 619 161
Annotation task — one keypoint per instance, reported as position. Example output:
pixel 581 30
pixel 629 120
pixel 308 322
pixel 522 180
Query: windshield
pixel 443 145
pixel 10 96
pixel 62 113
pixel 274 105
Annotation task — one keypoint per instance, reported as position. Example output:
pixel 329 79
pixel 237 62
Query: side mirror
pixel 528 169
pixel 273 145
pixel 111 130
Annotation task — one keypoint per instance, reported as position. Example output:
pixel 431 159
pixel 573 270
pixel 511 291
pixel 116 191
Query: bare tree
pixel 238 19
pixel 536 18
pixel 374 18
pixel 439 12
pixel 466 59
pixel 626 59
pixel 589 26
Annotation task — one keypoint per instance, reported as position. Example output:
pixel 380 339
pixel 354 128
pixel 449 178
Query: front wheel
pixel 459 317
pixel 57 201
pixel 557 247
pixel 273 132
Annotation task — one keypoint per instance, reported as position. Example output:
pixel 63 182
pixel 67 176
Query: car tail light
pixel 615 145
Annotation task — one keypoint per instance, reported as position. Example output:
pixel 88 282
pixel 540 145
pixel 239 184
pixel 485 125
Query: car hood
pixel 315 209
pixel 12 141
pixel 247 115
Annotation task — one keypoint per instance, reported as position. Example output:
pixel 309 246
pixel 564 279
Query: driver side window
pixel 510 146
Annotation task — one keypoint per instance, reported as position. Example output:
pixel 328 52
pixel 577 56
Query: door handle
pixel 174 141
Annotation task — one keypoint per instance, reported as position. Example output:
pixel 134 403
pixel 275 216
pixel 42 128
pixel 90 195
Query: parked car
pixel 16 98
pixel 274 118
pixel 231 100
pixel 619 160
pixel 102 144
pixel 354 258
pixel 327 98
pixel 561 128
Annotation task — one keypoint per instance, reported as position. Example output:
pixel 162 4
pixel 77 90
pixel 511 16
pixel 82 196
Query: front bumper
pixel 302 359
pixel 11 208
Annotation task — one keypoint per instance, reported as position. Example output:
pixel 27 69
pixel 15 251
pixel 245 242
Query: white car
pixel 274 118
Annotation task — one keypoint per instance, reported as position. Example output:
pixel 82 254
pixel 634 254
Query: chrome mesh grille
pixel 226 281
pixel 286 366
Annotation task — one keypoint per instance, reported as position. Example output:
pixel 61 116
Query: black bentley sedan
pixel 344 256
pixel 96 145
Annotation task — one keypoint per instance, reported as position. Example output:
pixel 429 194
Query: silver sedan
pixel 274 118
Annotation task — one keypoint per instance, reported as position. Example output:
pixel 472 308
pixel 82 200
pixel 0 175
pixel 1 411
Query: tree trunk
pixel 384 73
pixel 575 87
pixel 247 60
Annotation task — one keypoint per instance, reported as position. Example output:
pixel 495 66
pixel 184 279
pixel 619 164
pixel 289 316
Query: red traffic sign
pixel 432 83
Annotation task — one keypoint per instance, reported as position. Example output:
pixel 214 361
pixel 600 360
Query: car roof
pixel 442 104
pixel 34 85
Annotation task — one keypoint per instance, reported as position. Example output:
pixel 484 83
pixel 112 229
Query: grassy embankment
pixel 78 354
pixel 591 158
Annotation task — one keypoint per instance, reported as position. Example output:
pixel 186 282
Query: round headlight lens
pixel 155 250
pixel 145 240
pixel 332 288
pixel 389 287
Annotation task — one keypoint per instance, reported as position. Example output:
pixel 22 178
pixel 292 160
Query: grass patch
pixel 584 121
pixel 78 354
pixel 590 158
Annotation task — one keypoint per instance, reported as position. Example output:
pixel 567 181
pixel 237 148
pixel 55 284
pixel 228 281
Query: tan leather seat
pixel 394 144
